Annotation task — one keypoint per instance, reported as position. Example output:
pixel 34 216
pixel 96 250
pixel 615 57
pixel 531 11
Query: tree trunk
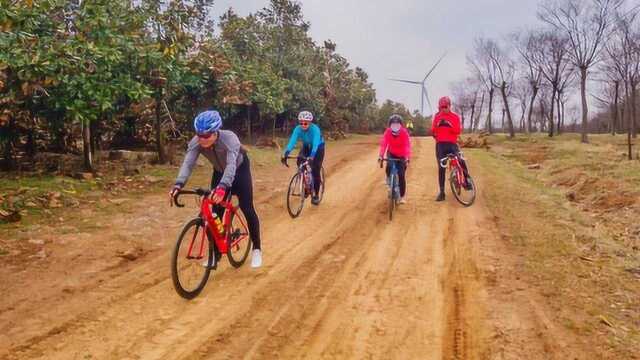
pixel 563 113
pixel 551 124
pixel 629 154
pixel 477 120
pixel 523 113
pixel 583 94
pixel 634 132
pixel 616 111
pixel 489 127
pixel 473 111
pixel 533 98
pixel 559 127
pixel 86 146
pixel 93 127
pixel 162 157
pixel 542 115
pixel 512 133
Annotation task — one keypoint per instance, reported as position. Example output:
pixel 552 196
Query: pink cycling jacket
pixel 398 146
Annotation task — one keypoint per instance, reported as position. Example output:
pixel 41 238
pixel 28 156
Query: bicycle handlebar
pixel 198 191
pixel 391 160
pixel 445 160
pixel 306 158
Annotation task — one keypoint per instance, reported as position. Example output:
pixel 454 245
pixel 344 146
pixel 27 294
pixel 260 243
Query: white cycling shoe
pixel 402 201
pixel 256 258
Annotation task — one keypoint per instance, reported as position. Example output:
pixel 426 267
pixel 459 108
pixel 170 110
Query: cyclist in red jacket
pixel 445 129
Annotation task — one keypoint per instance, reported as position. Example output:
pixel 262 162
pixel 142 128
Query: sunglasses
pixel 305 123
pixel 204 135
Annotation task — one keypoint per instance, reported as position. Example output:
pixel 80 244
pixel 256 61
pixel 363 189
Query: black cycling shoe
pixel 315 200
pixel 440 196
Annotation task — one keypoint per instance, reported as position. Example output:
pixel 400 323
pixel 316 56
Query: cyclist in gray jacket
pixel 231 170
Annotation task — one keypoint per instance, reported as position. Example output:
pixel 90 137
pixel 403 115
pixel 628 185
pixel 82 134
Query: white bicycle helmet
pixel 305 116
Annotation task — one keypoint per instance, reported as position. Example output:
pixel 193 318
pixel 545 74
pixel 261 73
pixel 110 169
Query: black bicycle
pixel 301 186
pixel 393 181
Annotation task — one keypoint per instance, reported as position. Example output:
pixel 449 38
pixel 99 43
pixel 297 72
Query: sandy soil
pixel 340 281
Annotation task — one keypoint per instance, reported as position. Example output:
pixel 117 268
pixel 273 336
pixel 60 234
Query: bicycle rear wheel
pixel 295 196
pixel 465 196
pixel 239 239
pixel 193 248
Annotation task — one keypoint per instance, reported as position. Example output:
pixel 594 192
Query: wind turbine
pixel 424 94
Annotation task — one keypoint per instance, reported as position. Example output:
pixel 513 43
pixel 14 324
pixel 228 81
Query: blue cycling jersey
pixel 312 138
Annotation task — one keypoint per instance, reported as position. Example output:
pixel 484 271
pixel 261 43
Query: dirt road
pixel 341 281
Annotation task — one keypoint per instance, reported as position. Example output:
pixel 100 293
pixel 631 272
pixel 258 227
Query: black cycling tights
pixel 242 187
pixel 442 150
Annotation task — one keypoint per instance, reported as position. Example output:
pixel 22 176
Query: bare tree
pixel 551 56
pixel 522 92
pixel 479 108
pixel 526 44
pixel 609 102
pixel 586 24
pixel 621 66
pixel 486 72
pixel 567 83
pixel 466 93
pixel 505 72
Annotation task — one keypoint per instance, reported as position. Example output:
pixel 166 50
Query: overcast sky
pixel 404 38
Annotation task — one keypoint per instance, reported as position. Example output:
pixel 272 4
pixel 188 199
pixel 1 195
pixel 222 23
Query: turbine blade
pixel 407 81
pixel 434 66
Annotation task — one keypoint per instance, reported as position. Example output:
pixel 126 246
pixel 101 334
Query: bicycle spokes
pixel 191 259
pixel 193 242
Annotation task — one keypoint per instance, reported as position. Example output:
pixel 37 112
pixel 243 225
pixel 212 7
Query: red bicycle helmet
pixel 444 102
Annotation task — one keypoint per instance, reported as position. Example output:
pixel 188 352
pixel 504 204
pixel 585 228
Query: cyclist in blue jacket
pixel 312 146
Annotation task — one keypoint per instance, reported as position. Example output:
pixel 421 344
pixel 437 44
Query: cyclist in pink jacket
pixel 397 145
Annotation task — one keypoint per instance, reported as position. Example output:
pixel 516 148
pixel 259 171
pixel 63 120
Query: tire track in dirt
pixel 456 338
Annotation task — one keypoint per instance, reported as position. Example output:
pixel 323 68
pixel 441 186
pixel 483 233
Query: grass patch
pixel 571 255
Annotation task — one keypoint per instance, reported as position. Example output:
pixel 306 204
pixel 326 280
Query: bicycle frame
pixel 206 213
pixel 304 168
pixel 393 171
pixel 452 162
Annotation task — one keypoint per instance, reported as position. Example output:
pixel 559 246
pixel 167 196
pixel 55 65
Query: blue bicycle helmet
pixel 207 122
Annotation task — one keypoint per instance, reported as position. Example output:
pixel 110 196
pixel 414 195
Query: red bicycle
pixel 204 239
pixel 463 188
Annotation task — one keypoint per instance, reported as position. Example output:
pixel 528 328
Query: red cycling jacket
pixel 398 146
pixel 446 127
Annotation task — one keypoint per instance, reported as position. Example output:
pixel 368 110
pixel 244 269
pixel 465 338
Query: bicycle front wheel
pixel 239 239
pixel 392 195
pixel 295 196
pixel 463 190
pixel 192 259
